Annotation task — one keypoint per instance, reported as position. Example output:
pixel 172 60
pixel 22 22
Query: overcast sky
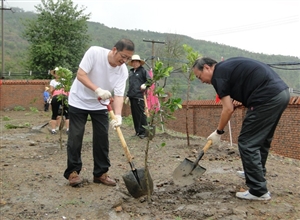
pixel 262 26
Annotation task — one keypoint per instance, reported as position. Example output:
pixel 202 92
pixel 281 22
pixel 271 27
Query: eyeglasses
pixel 124 57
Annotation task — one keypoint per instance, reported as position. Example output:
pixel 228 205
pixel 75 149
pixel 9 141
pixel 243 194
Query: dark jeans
pixel 138 115
pixel 46 106
pixel 255 140
pixel 100 123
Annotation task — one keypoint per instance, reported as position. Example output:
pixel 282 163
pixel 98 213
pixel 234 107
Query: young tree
pixel 166 109
pixel 191 56
pixel 58 37
pixel 65 79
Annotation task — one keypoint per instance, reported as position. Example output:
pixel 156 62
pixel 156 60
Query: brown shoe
pixel 74 179
pixel 105 179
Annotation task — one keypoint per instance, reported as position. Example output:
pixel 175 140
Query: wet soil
pixel 33 187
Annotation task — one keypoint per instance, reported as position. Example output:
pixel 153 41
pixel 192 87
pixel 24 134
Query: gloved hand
pixel 103 94
pixel 143 87
pixel 127 101
pixel 116 122
pixel 215 138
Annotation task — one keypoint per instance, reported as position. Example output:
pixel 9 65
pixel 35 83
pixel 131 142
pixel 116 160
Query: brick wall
pixel 25 93
pixel 203 115
pixel 203 118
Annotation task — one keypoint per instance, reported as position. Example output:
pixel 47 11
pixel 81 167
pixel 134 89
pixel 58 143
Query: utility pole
pixel 2 33
pixel 153 42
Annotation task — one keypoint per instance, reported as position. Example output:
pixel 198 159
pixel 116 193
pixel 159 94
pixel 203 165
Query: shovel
pixel 39 127
pixel 150 132
pixel 136 179
pixel 188 171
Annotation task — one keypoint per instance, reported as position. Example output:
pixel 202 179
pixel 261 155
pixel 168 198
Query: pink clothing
pixel 152 100
pixel 60 91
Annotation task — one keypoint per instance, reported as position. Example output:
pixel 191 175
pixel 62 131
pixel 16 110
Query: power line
pixel 276 22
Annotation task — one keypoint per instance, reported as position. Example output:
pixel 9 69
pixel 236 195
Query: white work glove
pixel 215 138
pixel 143 87
pixel 116 122
pixel 127 101
pixel 103 94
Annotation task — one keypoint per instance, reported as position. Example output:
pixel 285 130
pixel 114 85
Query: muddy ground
pixel 33 187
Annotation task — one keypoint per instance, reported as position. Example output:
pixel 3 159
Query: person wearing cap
pixel 101 72
pixel 46 98
pixel 138 78
pixel 260 89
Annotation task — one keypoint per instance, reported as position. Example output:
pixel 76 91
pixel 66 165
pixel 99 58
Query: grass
pixel 5 118
pixel 19 108
pixel 128 120
pixel 12 126
pixel 34 109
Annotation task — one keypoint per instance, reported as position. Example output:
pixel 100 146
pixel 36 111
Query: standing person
pixel 55 103
pixel 266 96
pixel 101 71
pixel 138 78
pixel 46 99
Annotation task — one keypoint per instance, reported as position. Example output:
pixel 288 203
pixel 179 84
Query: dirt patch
pixel 33 186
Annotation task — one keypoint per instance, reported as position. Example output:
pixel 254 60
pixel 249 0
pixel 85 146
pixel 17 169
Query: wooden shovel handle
pixel 120 134
pixel 146 106
pixel 207 146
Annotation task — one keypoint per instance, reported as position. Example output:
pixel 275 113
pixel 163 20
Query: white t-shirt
pixel 101 73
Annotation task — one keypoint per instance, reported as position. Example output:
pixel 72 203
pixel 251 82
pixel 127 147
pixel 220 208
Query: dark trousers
pixel 100 123
pixel 55 104
pixel 46 106
pixel 255 140
pixel 138 115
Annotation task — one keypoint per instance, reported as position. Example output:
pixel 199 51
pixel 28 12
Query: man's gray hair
pixel 199 63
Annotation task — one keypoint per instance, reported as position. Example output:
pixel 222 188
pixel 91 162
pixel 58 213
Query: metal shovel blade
pixel 39 127
pixel 187 172
pixel 135 188
pixel 183 176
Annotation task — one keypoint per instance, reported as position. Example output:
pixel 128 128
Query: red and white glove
pixel 117 122
pixel 143 87
pixel 103 94
pixel 215 138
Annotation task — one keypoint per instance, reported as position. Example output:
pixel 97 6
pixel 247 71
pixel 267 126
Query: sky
pixel 260 26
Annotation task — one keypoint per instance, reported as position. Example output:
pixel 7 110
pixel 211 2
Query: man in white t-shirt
pixel 101 71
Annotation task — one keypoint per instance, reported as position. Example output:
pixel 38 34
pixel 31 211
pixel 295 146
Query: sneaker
pixel 53 132
pixel 241 174
pixel 249 196
pixel 105 179
pixel 142 136
pixel 74 179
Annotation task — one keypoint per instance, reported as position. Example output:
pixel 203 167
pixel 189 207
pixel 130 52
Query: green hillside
pixel 101 35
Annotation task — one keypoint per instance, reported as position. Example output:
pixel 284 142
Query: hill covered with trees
pixel 171 53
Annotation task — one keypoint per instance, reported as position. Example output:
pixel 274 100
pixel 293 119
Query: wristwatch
pixel 220 131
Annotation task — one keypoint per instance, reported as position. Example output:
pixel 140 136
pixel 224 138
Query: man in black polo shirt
pixel 266 96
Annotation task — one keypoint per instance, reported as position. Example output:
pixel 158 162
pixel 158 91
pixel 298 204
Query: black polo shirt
pixel 248 81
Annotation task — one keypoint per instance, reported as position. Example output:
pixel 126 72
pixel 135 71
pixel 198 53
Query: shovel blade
pixel 184 174
pixel 138 187
pixel 39 127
